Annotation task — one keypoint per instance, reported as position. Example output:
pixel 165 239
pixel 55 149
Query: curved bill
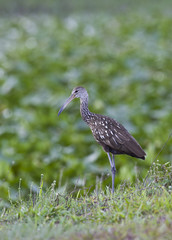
pixel 66 103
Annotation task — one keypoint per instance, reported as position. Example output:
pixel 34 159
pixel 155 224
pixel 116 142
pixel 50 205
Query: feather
pixel 114 137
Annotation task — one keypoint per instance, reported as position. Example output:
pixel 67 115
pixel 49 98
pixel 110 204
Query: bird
pixel 110 134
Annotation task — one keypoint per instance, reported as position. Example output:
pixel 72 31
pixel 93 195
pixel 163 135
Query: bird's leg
pixel 113 169
pixel 110 160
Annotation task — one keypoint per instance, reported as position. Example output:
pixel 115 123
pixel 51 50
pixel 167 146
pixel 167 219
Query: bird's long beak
pixel 66 103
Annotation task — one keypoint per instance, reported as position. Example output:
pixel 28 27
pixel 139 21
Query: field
pixel 140 211
pixel 54 178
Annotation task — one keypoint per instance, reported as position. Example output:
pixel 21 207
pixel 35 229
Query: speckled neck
pixel 85 113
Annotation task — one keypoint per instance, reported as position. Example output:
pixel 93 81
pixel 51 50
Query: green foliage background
pixel 123 60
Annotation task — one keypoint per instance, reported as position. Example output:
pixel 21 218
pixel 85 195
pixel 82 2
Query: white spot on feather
pixel 111 132
pixel 120 134
pixel 102 137
pixel 114 140
pixel 117 137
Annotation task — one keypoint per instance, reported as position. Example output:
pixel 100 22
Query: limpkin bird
pixel 110 134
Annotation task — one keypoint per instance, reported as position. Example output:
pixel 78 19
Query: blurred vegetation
pixel 66 7
pixel 124 61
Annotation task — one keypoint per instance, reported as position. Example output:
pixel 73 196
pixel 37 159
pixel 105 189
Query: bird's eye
pixel 76 91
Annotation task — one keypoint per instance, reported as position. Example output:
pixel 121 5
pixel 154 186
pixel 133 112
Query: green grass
pixel 141 210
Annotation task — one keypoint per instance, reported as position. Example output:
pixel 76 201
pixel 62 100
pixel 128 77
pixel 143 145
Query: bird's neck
pixel 85 113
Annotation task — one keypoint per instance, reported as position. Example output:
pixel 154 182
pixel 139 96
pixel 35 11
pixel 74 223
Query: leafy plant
pixel 125 64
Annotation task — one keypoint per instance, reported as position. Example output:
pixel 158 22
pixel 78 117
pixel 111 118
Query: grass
pixel 139 211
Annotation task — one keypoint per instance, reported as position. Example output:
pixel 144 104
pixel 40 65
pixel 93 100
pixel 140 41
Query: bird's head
pixel 78 92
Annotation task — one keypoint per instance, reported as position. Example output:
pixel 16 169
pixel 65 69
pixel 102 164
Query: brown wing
pixel 110 133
